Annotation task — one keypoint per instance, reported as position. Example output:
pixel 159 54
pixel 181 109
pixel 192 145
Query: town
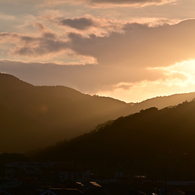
pixel 61 178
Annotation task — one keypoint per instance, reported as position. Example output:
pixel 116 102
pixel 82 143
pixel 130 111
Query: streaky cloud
pixel 125 3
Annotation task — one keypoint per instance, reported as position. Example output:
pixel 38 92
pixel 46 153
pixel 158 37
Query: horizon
pixel 127 50
pixel 100 95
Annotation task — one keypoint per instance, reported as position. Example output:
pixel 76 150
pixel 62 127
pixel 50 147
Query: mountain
pixel 37 116
pixel 152 142
pixel 163 101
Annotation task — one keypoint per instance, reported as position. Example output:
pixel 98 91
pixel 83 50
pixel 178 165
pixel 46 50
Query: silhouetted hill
pixel 37 116
pixel 152 142
pixel 33 116
pixel 162 102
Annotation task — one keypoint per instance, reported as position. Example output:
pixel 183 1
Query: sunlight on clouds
pixel 151 21
pixel 184 71
pixel 185 66
pixel 179 78
pixel 122 3
pixel 105 4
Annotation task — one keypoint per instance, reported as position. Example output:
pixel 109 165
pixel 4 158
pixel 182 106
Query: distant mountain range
pixel 156 143
pixel 37 116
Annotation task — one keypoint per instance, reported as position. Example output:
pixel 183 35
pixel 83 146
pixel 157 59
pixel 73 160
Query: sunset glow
pixel 179 78
pixel 129 50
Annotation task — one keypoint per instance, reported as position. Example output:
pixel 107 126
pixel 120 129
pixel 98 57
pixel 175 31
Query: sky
pixel 130 50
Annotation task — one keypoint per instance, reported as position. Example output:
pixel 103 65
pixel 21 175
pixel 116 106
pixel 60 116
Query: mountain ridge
pixel 145 143
pixel 36 116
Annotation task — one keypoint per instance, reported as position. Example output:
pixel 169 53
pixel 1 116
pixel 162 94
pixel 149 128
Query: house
pixel 48 172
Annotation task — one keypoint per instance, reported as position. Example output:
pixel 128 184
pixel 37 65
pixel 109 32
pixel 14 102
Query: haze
pixel 128 49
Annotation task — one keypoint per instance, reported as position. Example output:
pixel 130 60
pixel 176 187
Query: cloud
pixel 129 2
pixel 82 23
pixel 46 45
pixel 173 82
pixel 111 3
pixel 46 32
pixel 140 45
pixel 128 44
pixel 86 25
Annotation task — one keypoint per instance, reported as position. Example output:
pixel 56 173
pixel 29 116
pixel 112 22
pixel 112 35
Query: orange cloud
pixel 129 2
pixel 111 3
pixel 140 45
pixel 128 44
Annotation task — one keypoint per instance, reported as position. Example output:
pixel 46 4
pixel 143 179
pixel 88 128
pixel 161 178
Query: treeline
pixel 152 142
pixel 37 116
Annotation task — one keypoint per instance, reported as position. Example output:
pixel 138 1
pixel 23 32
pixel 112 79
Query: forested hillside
pixel 152 142
pixel 37 116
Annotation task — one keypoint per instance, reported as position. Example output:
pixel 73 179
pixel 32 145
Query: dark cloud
pixel 35 46
pixel 45 47
pixel 82 23
pixel 87 24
